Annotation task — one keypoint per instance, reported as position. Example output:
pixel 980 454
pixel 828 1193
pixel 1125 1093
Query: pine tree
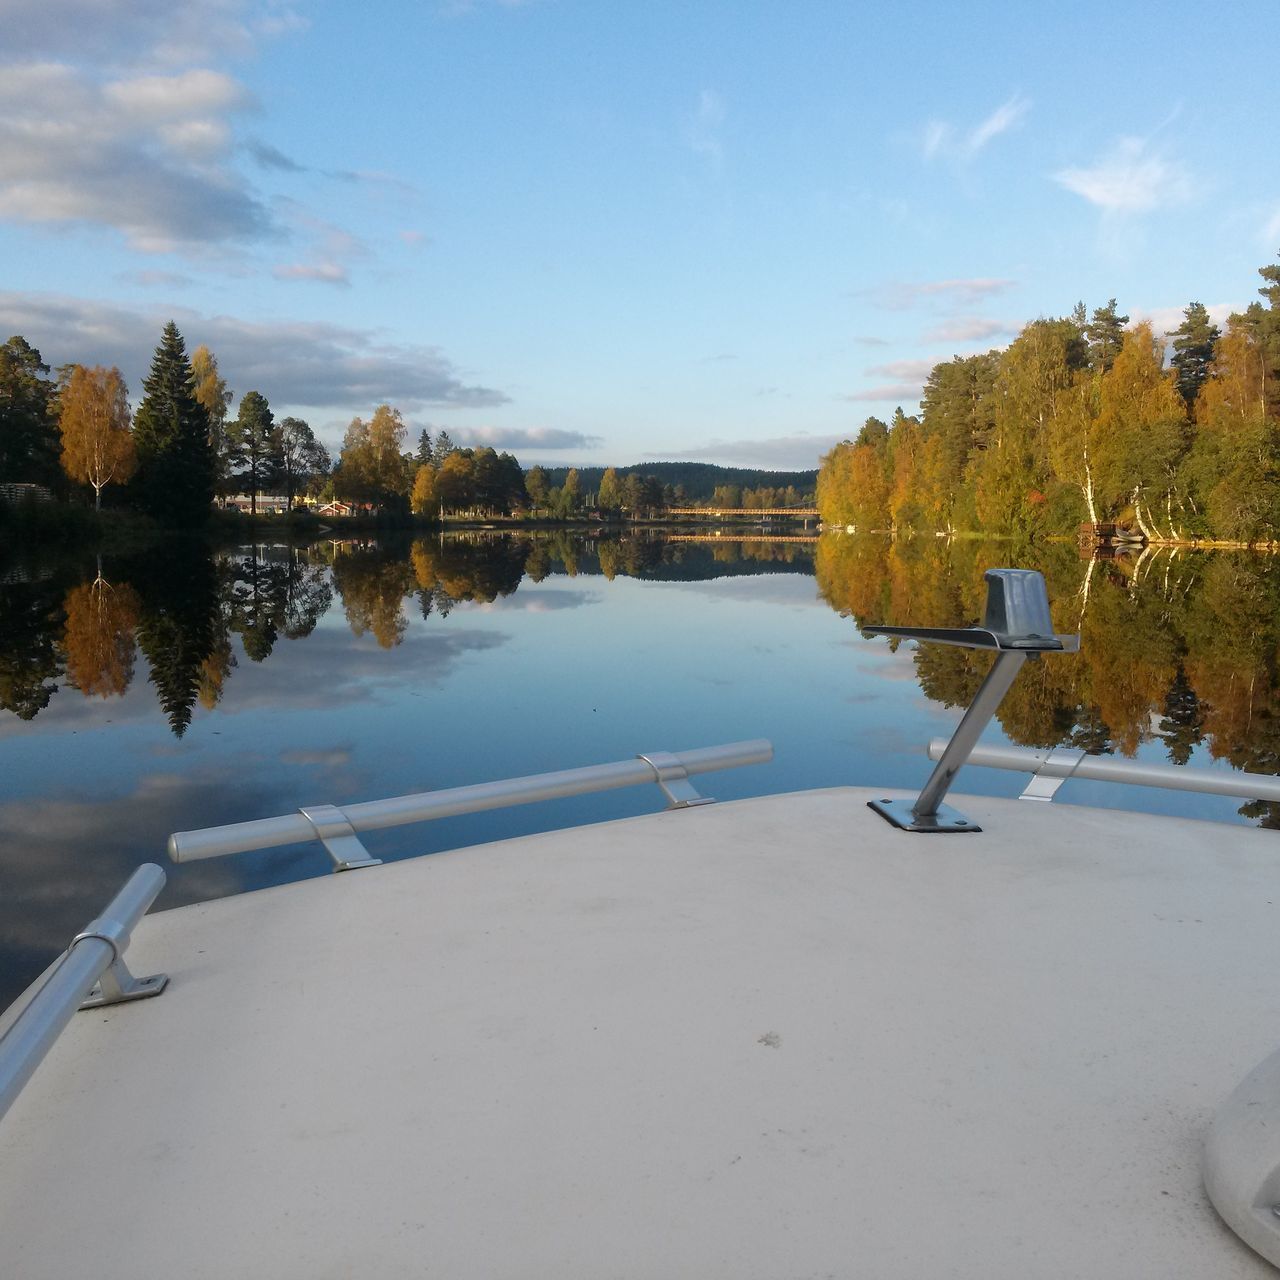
pixel 257 445
pixel 28 436
pixel 1105 332
pixel 426 454
pixel 174 480
pixel 1193 343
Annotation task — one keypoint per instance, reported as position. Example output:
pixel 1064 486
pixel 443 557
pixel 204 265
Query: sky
pixel 614 232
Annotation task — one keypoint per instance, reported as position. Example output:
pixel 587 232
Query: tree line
pixel 182 450
pixel 1082 418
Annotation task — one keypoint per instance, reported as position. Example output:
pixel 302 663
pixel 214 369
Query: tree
pixel 214 394
pixel 175 472
pixel 28 437
pixel 1139 431
pixel 444 447
pixel 302 458
pixel 610 495
pixel 388 472
pixel 93 417
pixel 1105 332
pixel 257 445
pixel 424 499
pixel 571 494
pixel 99 640
pixel 425 455
pixel 538 486
pixel 1193 343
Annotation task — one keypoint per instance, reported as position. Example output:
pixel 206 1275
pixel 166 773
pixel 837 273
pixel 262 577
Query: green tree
pixel 537 486
pixel 425 454
pixel 609 497
pixel 175 473
pixel 303 460
pixel 1105 333
pixel 28 435
pixel 257 445
pixel 571 494
pixel 1193 343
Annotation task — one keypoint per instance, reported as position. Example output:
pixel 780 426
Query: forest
pixel 1083 418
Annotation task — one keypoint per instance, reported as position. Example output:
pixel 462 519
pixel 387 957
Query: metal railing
pixel 91 972
pixel 336 828
pixel 1052 768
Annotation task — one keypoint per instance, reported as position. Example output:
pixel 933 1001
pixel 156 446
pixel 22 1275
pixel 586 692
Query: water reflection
pixel 1177 647
pixel 81 624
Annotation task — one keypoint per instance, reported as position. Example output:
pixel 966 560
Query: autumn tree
pixel 424 499
pixel 538 486
pixel 174 479
pixel 93 418
pixel 99 637
pixel 28 435
pixel 214 395
pixel 1140 438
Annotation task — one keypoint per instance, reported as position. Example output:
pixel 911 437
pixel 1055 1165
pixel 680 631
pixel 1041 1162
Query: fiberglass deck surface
pixel 772 1038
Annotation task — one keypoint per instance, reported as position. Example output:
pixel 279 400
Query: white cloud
pixel 966 329
pixel 112 116
pixel 130 154
pixel 943 140
pixel 799 452
pixel 1001 120
pixel 321 272
pixel 525 438
pixel 1131 178
pixel 906 370
pixel 901 295
pixel 296 363
pixel 889 393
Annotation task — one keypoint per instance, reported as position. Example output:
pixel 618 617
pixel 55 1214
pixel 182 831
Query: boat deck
pixel 769 1038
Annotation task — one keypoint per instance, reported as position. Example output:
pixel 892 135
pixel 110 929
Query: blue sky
pixel 615 232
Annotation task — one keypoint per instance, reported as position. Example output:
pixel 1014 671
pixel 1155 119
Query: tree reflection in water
pixel 1178 647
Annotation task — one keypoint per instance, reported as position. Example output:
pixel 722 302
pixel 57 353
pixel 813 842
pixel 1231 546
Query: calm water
pixel 188 688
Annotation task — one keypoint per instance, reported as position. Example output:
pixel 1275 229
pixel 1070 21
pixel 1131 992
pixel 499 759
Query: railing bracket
pixel 673 778
pixel 338 837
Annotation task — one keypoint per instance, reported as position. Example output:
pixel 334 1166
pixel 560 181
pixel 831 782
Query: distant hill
pixel 699 478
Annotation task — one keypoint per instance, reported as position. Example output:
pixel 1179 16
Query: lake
pixel 189 687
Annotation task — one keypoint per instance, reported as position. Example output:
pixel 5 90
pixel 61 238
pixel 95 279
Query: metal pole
pixel 33 1032
pixel 1244 786
pixel 1002 674
pixel 372 815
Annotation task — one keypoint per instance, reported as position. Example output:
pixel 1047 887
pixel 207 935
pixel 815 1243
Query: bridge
pixel 763 513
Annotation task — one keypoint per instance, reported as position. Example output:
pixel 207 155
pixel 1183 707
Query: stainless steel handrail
pixel 373 815
pixel 95 956
pixel 1062 764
